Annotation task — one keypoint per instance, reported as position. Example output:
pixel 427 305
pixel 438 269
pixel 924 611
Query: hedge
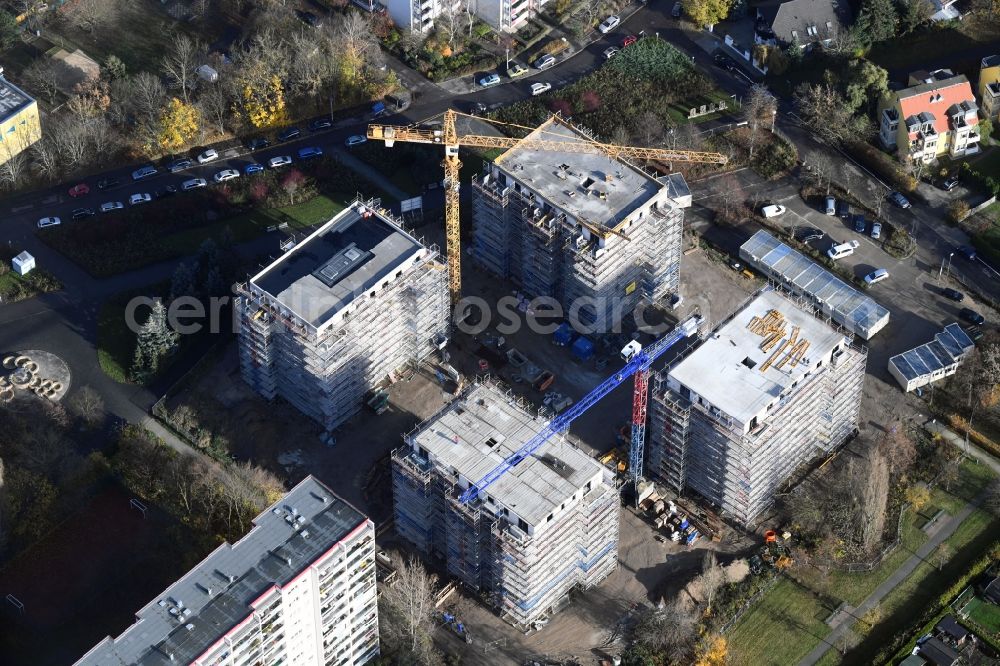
pixel 988 184
pixel 883 166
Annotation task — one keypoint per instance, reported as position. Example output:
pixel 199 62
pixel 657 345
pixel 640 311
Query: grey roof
pixel 947 348
pixel 12 99
pixel 844 304
pixel 216 594
pixel 990 61
pixel 575 182
pixel 677 189
pixel 798 15
pixel 340 261
pixel 950 626
pixel 938 653
pixel 718 369
pixel 476 432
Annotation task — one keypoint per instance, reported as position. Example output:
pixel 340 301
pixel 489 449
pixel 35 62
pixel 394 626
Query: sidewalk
pixel 958 441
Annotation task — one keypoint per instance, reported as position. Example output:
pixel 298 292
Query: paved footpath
pixel 843 623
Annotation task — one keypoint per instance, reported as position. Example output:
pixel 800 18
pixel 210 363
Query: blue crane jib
pixel 639 359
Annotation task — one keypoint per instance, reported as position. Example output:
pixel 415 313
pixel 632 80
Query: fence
pixel 747 604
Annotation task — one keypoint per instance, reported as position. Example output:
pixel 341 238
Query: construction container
pixel 583 349
pixel 563 334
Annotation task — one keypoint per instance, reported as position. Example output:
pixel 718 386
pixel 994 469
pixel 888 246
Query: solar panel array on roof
pixel 931 361
pixel 796 272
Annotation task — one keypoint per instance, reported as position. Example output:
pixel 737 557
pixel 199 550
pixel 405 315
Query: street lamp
pixel 507 51
pixel 774 114
pixel 941 270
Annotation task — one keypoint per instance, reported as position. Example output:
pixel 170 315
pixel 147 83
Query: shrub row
pixel 883 166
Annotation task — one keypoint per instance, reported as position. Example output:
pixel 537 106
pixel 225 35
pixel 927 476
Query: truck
pixel 398 101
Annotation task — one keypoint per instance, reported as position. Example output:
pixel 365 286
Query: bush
pixel 883 166
pixel 775 158
pixel 958 211
pixel 986 184
pixel 482 30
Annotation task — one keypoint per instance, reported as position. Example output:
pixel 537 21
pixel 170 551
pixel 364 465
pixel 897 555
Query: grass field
pixel 984 614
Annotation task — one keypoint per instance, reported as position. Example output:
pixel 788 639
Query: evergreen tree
pixel 878 21
pixel 154 340
pixel 214 284
pixel 184 280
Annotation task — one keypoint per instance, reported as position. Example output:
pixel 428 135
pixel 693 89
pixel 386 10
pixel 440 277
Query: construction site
pixel 341 314
pixel 596 233
pixel 770 389
pixel 546 526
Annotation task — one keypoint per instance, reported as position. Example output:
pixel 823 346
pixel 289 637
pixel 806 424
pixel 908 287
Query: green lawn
pixel 984 614
pixel 782 628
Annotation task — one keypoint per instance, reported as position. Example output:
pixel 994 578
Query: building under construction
pixel 771 388
pixel 341 313
pixel 550 523
pixel 590 231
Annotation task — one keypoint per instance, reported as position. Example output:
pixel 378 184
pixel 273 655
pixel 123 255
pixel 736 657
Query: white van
pixel 843 250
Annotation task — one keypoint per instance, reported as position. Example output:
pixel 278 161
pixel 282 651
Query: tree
pixel 918 496
pixel 878 21
pixel 43 77
pixel 181 62
pixel 706 12
pixel 407 609
pixel 865 83
pixel 88 405
pixel 265 106
pixel 914 14
pixel 154 340
pixel 869 620
pixel 26 504
pixel 761 107
pixel 712 651
pixel 712 577
pixel 184 280
pixel 670 629
pixel 215 106
pixel 898 448
pixel 985 131
pixel 92 15
pixel 291 183
pixel 10 31
pixel 942 554
pixel 356 47
pixel 179 125
pixel 113 68
pixel 950 473
pixel 91 98
pixel 825 112
pixel 14 168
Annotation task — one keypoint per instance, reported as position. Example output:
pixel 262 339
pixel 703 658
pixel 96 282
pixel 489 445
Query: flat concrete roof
pixel 343 259
pixel 481 428
pixel 217 593
pixel 574 182
pixel 719 370
pixel 12 99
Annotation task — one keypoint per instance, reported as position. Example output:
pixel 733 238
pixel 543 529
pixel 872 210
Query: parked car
pixel 179 165
pixel 168 191
pixel 967 251
pixel 610 52
pixel 545 61
pixel 209 155
pixel 193 184
pixel 106 183
pixel 310 152
pixel 724 61
pixel 226 174
pixel 676 11
pixel 320 124
pixel 489 80
pixel 876 276
pixel 953 294
pixel 110 206
pixel 252 168
pixel 806 234
pixel 830 206
pixel 629 40
pixel 355 140
pixel 843 209
pixel 876 230
pixel 860 224
pixel 79 190
pixel 477 108
pixel 279 161
pixel 972 316
pixel 609 24
pixel 139 198
pixel 258 144
pixel 839 251
pixel 516 70
pixel 310 19
pixel 949 183
pixel 144 172
pixel 772 210
pixel 49 222
pixel 540 87
pixel 898 199
pixel 80 213
pixel 289 133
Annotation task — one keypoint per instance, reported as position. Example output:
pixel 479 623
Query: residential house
pixel 937 115
pixel 989 86
pixel 416 15
pixel 507 15
pixel 19 121
pixel 951 632
pixel 944 10
pixel 805 22
pixel 419 15
pixel 939 654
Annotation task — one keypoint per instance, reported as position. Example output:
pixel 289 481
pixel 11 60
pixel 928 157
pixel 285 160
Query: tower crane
pixel 448 136
pixel 638 364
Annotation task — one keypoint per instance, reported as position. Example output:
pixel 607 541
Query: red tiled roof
pixel 953 91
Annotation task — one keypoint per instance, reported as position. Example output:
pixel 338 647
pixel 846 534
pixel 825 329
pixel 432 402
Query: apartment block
pixel 597 234
pixel 772 387
pixel 20 125
pixel 297 590
pixel 341 313
pixel 989 86
pixel 937 115
pixel 548 525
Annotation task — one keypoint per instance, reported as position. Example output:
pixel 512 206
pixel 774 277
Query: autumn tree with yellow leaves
pixel 712 651
pixel 179 125
pixel 264 105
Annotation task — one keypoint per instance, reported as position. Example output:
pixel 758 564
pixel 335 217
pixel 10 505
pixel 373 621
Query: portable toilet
pixel 583 348
pixel 563 334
